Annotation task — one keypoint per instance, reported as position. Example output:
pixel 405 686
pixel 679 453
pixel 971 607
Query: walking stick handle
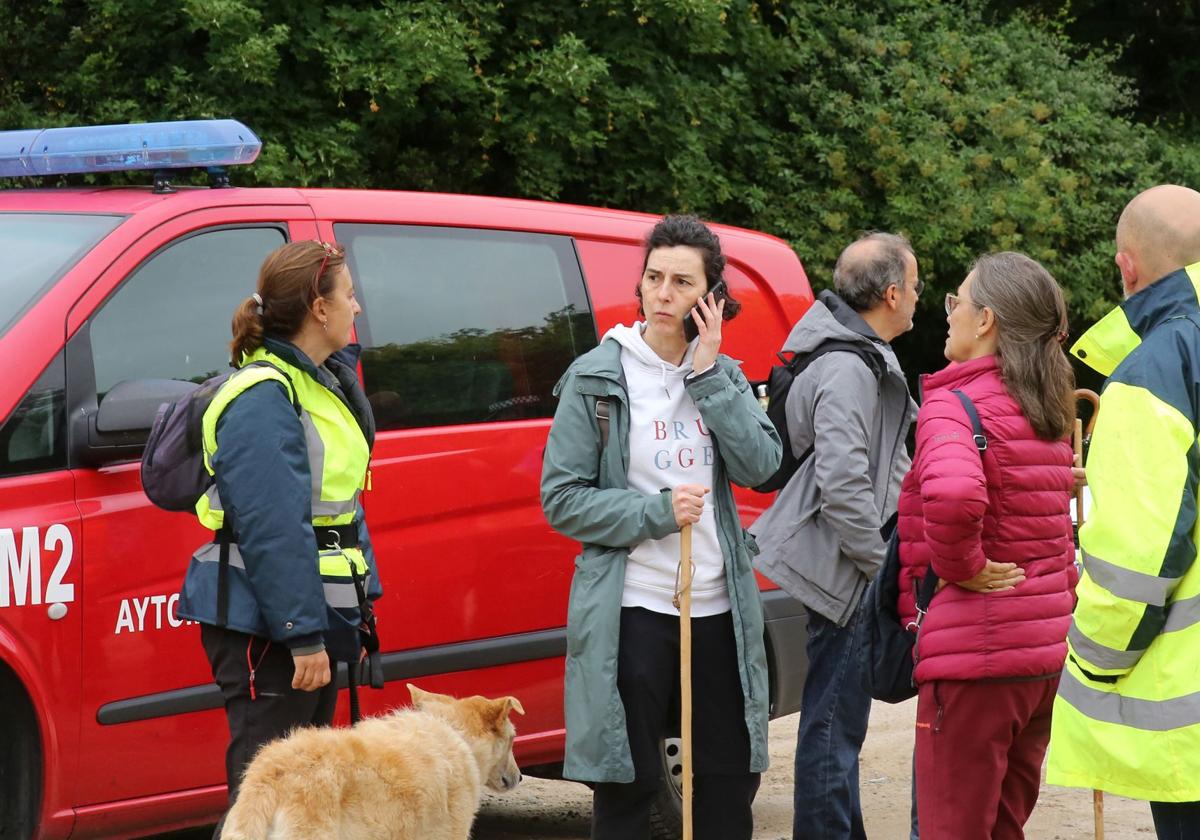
pixel 1078 440
pixel 685 671
pixel 1090 397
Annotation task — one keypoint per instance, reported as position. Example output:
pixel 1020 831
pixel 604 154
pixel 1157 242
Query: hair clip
pixel 257 298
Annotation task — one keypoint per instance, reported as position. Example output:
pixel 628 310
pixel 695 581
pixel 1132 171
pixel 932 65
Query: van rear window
pixel 38 249
pixel 462 325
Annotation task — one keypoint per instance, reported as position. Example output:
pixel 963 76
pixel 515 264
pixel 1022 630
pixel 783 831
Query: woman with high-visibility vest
pixel 991 518
pixel 288 440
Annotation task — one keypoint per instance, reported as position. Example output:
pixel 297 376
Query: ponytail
pixel 1059 388
pixel 1031 318
pixel 247 330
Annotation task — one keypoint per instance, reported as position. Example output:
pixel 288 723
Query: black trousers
pixel 1176 820
pixel 276 709
pixel 648 681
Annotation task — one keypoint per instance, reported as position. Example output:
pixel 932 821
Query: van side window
pixel 34 438
pixel 465 326
pixel 170 319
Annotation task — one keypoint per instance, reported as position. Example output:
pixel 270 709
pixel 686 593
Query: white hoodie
pixel 668 446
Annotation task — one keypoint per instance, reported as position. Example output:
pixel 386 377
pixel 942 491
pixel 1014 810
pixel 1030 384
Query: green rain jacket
pixel 585 497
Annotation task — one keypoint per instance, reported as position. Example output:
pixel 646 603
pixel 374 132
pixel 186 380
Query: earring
pixel 325 326
pixel 976 336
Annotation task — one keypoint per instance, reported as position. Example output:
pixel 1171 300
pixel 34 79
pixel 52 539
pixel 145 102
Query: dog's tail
pixel 252 816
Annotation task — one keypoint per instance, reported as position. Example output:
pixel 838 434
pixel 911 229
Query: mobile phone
pixel 690 330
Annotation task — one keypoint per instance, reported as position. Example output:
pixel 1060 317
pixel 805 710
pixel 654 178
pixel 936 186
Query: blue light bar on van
pixel 110 148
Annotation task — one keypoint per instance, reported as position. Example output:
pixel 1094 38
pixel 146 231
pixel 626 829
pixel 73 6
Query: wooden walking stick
pixel 1085 395
pixel 1090 397
pixel 683 602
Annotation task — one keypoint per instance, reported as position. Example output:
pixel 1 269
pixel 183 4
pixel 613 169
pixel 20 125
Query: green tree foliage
pixel 810 120
pixel 1154 42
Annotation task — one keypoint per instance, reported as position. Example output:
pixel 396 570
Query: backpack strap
pixel 225 533
pixel 799 361
pixel 291 386
pixel 929 583
pixel 224 538
pixel 871 357
pixel 602 411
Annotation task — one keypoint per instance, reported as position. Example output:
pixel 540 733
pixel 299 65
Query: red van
pixel 472 309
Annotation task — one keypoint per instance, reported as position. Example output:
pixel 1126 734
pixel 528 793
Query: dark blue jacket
pixel 263 477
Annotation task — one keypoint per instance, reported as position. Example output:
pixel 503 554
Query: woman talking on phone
pixel 651 428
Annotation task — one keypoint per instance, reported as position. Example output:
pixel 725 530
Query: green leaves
pixel 812 121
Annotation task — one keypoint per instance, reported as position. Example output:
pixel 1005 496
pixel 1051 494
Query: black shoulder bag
pixel 886 659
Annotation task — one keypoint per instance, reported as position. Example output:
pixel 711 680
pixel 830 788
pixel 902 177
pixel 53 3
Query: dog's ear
pixel 496 712
pixel 423 699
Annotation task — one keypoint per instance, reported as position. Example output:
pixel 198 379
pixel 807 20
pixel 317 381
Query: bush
pixel 810 120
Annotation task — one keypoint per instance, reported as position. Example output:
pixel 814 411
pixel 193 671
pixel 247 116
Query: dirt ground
pixel 560 810
pixel 544 810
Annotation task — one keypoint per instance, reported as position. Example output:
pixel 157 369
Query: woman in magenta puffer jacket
pixel 996 528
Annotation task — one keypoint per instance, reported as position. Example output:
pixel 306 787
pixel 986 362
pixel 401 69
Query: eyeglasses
pixel 330 251
pixel 953 300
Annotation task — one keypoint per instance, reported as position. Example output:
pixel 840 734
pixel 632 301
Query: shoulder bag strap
pixel 602 410
pixel 929 584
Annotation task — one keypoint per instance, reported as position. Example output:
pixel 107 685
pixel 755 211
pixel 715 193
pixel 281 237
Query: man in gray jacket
pixel 820 539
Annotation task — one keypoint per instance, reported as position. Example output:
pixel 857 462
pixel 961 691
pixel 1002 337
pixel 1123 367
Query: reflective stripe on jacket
pixel 281 475
pixel 1127 716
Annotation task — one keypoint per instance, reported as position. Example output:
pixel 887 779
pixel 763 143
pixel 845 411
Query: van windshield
pixel 39 248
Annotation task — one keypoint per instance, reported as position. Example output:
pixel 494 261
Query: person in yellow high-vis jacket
pixel 279 593
pixel 1127 716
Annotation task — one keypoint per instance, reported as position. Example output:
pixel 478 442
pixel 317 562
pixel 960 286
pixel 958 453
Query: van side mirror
pixel 116 431
pixel 130 406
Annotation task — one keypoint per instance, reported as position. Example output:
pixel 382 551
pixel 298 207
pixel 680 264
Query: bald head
pixel 1158 232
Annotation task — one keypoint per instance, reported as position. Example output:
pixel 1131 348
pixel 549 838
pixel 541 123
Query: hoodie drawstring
pixel 663 368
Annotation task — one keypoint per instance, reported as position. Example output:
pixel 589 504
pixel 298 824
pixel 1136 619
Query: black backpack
pixel 886 660
pixel 173 473
pixel 780 382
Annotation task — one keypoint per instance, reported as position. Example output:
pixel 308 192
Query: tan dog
pixel 414 774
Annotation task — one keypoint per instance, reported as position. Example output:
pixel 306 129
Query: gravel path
pixel 561 810
pixel 544 810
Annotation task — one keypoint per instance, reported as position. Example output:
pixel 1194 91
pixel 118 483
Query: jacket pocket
pixel 594 607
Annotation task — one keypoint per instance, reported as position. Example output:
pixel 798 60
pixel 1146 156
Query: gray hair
pixel 863 273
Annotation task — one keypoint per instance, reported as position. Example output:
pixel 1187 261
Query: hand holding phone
pixel 690 330
pixel 711 309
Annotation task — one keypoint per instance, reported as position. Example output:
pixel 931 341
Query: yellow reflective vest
pixel 338 456
pixel 1127 715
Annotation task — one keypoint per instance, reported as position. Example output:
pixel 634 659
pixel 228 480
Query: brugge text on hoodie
pixel 668 446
